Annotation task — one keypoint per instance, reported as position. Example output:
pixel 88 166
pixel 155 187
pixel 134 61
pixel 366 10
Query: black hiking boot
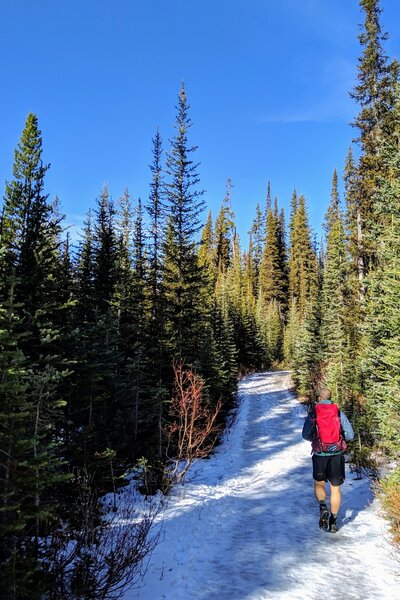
pixel 333 528
pixel 323 516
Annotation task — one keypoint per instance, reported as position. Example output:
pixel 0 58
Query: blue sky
pixel 267 82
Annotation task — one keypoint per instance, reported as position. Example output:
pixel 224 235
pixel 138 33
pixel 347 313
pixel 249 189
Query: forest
pixel 100 338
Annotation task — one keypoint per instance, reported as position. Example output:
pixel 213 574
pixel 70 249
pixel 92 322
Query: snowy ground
pixel 246 525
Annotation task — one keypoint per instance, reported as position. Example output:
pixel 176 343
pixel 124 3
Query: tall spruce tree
pixel 375 93
pixel 335 300
pixel 223 231
pixel 33 366
pixel 156 210
pixel 381 357
pixel 183 276
pixel 301 349
pixel 302 258
pixel 273 284
pixel 257 234
pixel 105 252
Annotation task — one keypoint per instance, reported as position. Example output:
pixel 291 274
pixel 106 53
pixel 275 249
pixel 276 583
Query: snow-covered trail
pixel 246 525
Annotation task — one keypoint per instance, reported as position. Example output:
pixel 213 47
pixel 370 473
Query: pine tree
pixel 30 264
pixel 85 274
pixel 282 260
pixel 129 306
pixel 156 210
pixel 251 352
pixel 303 260
pixel 268 203
pixel 273 284
pixel 375 93
pixel 223 231
pixel 293 211
pixel 105 252
pixel 335 300
pixel 257 234
pixel 306 350
pixel 206 252
pixel 183 276
pixel 272 333
pixel 333 211
pixel 92 407
pixel 300 345
pixel 17 562
pixel 381 356
pixel 137 332
pixel 291 331
pixel 224 336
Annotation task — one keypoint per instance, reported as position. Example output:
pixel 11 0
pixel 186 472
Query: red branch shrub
pixel 193 431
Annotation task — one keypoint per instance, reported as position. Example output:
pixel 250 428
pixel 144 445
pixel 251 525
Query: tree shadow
pixel 238 546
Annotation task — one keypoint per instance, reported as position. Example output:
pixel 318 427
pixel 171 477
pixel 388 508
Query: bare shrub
pixel 194 430
pixel 104 556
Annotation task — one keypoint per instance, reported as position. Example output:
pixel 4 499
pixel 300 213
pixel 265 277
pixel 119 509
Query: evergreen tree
pixel 85 274
pixel 282 254
pixel 206 251
pixel 268 201
pixel 333 212
pixel 105 252
pixel 293 210
pixel 251 352
pixel 223 231
pixel 224 336
pixel 33 365
pixel 183 276
pixel 156 210
pixel 303 260
pixel 93 405
pixel 257 234
pixel 335 300
pixel 301 348
pixel 381 357
pixel 291 331
pixel 306 351
pixel 375 93
pixel 273 284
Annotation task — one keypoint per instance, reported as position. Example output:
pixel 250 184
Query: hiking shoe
pixel 323 516
pixel 333 528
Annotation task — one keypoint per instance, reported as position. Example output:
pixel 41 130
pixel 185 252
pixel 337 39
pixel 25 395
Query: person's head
pixel 325 394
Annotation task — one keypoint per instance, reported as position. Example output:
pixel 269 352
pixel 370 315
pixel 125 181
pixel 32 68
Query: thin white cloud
pixel 332 83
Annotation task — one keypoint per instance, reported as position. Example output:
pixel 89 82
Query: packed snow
pixel 245 524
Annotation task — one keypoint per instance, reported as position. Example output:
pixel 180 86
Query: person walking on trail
pixel 328 428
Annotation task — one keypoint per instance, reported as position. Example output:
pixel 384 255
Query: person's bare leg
pixel 336 499
pixel 319 491
pixel 320 494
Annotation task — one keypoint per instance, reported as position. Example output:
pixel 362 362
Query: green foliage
pixel 224 231
pixel 390 498
pixel 375 93
pixel 382 357
pixel 257 240
pixel 306 352
pixel 273 285
pixel 303 266
pixel 183 275
pixel 34 299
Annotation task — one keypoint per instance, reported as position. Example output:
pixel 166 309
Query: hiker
pixel 328 428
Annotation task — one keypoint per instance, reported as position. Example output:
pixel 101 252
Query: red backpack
pixel 328 435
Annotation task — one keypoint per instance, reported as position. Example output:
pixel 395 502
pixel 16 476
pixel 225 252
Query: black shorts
pixel 329 468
